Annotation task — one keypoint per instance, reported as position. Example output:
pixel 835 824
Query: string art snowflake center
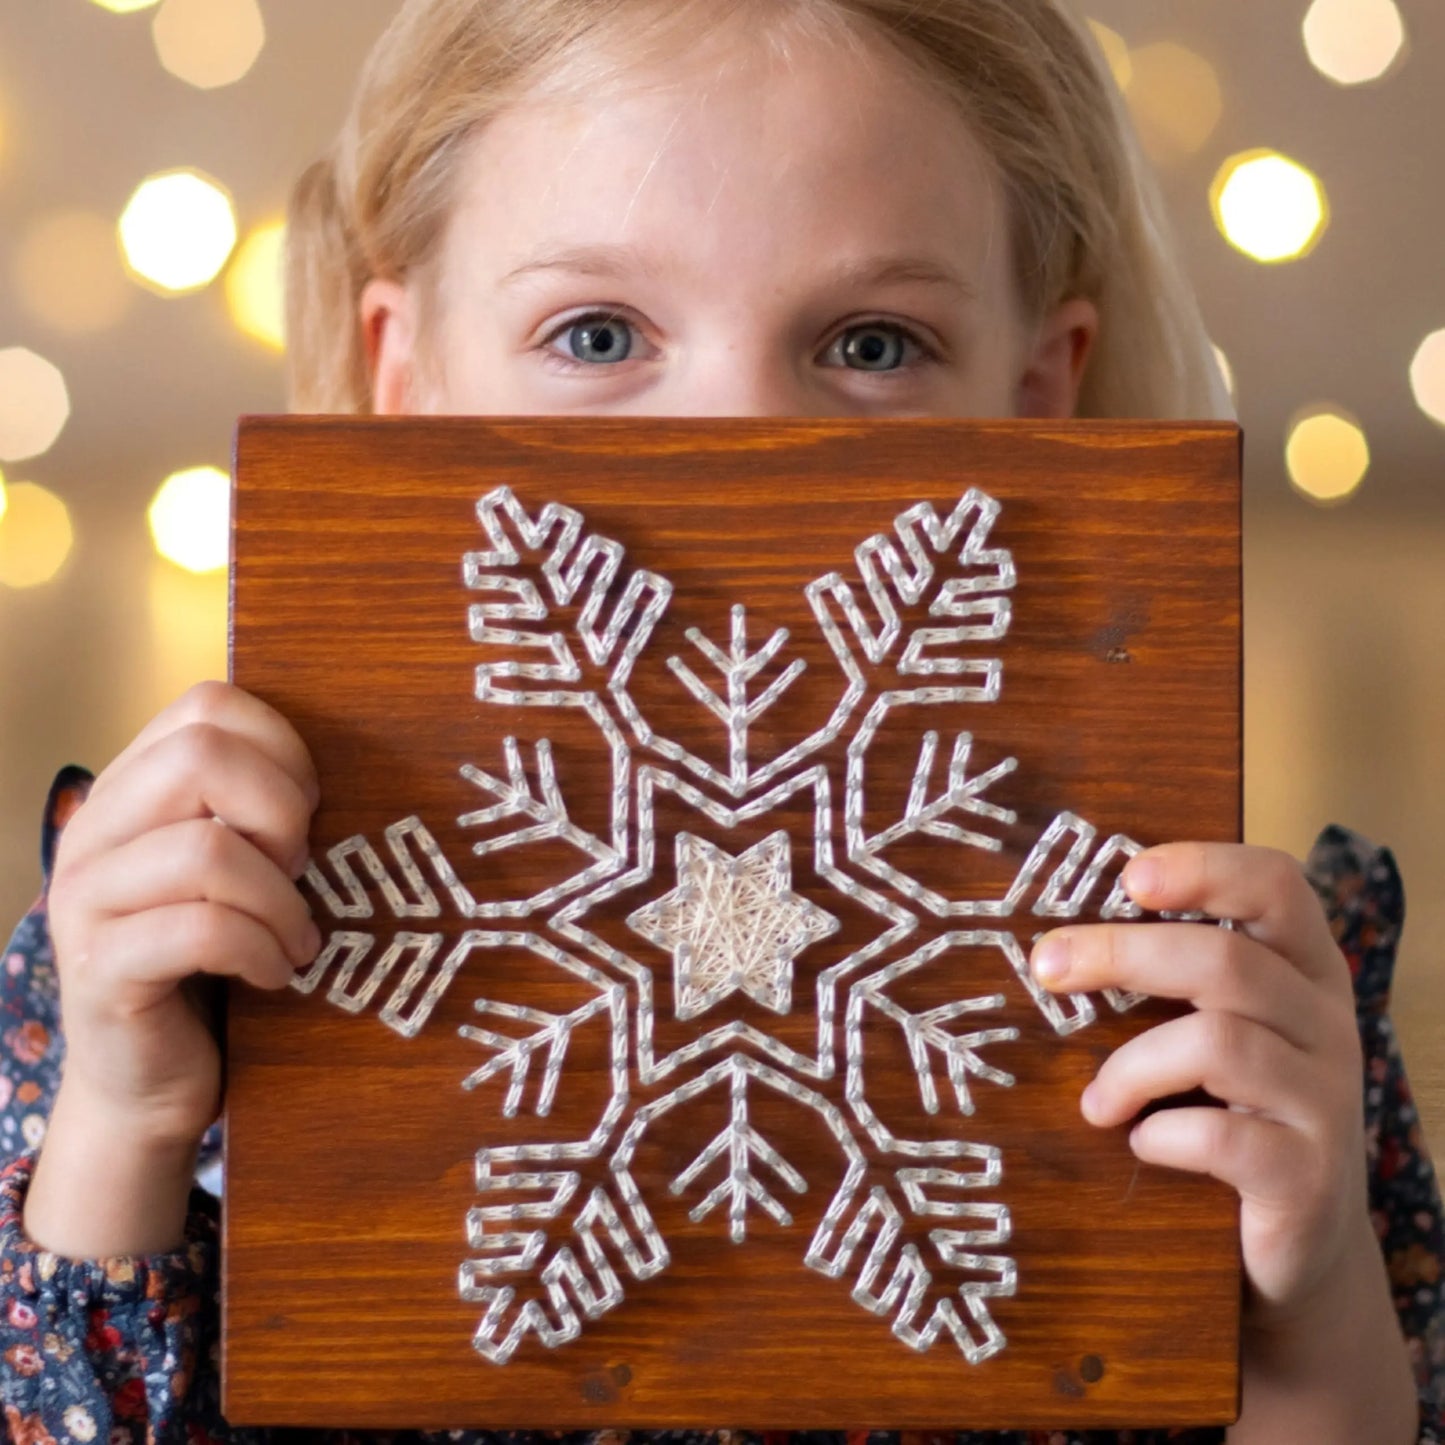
pixel 732 924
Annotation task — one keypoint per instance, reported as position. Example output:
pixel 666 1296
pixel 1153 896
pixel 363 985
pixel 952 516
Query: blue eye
pixel 599 340
pixel 875 347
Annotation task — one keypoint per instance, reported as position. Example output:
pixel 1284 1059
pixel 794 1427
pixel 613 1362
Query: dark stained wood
pixel 350 1149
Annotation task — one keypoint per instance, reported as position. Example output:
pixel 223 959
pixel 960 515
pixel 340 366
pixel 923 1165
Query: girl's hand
pixel 149 888
pixel 1273 1037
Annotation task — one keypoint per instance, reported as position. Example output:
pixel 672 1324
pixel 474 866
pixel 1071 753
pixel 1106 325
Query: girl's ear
pixel 389 333
pixel 1054 369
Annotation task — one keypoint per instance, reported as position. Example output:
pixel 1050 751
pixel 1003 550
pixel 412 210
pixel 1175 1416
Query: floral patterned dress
pixel 124 1351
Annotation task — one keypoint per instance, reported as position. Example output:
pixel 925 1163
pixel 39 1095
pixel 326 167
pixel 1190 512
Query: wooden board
pixel 729 940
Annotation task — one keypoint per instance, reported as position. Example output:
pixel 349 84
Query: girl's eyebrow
pixel 898 270
pixel 606 261
pixel 619 262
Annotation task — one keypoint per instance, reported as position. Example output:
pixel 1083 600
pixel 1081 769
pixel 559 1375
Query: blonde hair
pixel 1085 213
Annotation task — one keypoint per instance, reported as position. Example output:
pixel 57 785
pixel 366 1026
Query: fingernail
pixel 1051 960
pixel 1089 1102
pixel 1141 878
pixel 311 940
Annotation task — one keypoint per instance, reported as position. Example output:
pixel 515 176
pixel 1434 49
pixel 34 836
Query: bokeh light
pixel 1175 99
pixel 1269 206
pixel 255 290
pixel 190 519
pixel 1353 41
pixel 1327 454
pixel 69 275
pixel 178 230
pixel 188 614
pixel 124 7
pixel 209 43
pixel 4 497
pixel 35 537
pixel 1116 52
pixel 34 404
pixel 1427 376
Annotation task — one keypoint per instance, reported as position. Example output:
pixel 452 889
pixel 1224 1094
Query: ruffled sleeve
pixel 104 1350
pixel 33 1046
pixel 1360 888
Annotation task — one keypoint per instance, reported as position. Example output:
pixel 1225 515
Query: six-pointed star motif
pixel 732 923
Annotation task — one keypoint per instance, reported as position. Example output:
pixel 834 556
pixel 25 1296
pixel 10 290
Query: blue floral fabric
pixel 125 1351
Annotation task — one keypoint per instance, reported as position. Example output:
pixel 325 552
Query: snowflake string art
pixel 695 947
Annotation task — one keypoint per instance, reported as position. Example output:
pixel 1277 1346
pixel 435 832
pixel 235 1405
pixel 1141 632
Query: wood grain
pixel 350 1149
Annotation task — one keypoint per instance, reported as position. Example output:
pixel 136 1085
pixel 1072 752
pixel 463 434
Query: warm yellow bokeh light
pixel 209 43
pixel 178 230
pixel 188 616
pixel 1116 52
pixel 1427 376
pixel 34 405
pixel 125 7
pixel 1353 41
pixel 4 497
pixel 1269 206
pixel 1175 99
pixel 255 289
pixel 190 519
pixel 35 537
pixel 69 275
pixel 1327 455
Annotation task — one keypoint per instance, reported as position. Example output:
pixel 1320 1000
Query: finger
pixel 200 861
pixel 146 955
pixel 1262 1159
pixel 198 771
pixel 1211 967
pixel 222 705
pixel 1236 1060
pixel 1261 889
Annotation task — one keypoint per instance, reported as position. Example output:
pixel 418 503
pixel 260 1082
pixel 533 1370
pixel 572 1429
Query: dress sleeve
pixel 99 1351
pixel 31 1046
pixel 117 1351
pixel 1361 890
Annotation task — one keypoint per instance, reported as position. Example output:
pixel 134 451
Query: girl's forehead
pixel 729 149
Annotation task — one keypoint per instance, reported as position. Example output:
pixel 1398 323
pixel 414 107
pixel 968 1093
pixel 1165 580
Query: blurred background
pixel 146 150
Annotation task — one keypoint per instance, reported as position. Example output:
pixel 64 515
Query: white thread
pixel 879 551
pixel 905 1293
pixel 653 1069
pixel 962 794
pixel 566 570
pixel 354 945
pixel 516 797
pixel 925 1034
pixel 552 1032
pixel 739 668
pixel 589 1284
pixel 399 838
pixel 741 1144
pixel 732 924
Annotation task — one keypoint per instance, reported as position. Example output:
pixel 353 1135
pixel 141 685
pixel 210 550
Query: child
pixel 692 207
